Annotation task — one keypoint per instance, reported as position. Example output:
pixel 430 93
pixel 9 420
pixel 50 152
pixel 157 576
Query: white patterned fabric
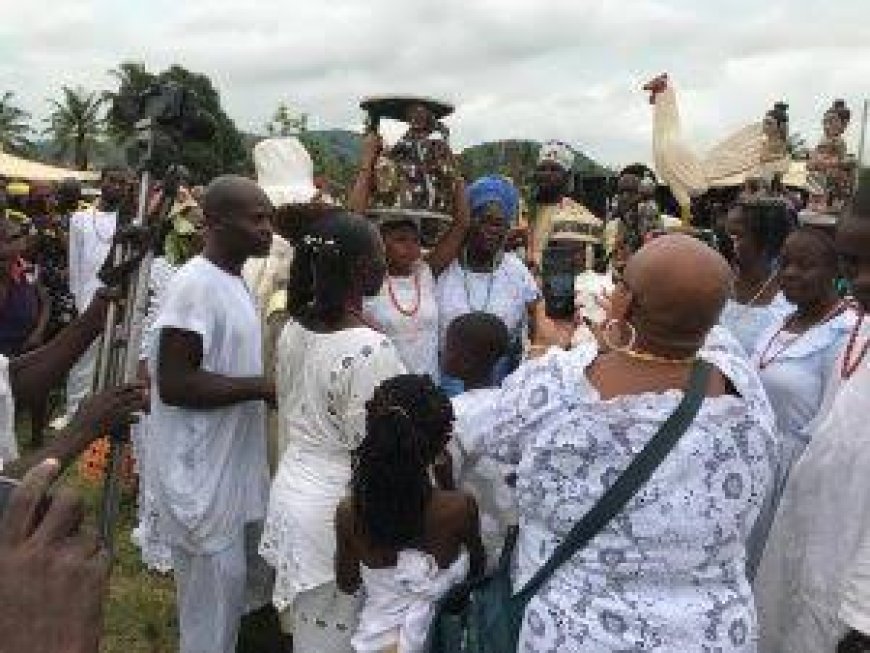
pixel 668 573
pixel 400 601
pixel 8 443
pixel 323 382
pixel 415 336
pixel 748 323
pixel 796 378
pixel 268 274
pixel 482 476
pixel 813 582
pixel 161 273
pixel 506 293
pixel 147 534
pixel 322 620
pixel 90 239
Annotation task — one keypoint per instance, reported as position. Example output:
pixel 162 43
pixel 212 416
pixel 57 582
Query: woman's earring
pixel 608 340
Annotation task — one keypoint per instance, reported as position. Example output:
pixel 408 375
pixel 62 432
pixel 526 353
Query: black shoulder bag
pixel 484 615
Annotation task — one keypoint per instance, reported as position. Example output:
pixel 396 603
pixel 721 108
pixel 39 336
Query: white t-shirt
pixel 212 475
pixel 8 444
pixel 506 293
pixel 415 336
pixel 90 239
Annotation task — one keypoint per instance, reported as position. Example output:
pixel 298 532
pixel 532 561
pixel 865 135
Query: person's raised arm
pixel 183 383
pixel 360 194
pixel 96 416
pixel 31 373
pixel 450 244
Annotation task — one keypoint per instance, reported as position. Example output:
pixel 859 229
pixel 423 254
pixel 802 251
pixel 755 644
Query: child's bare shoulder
pixel 453 505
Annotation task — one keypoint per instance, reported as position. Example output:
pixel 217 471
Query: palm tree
pixel 14 130
pixel 76 124
pixel 133 80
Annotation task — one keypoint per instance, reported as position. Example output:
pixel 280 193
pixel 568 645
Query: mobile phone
pixel 558 273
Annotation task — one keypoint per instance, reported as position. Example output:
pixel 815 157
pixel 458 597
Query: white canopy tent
pixel 14 167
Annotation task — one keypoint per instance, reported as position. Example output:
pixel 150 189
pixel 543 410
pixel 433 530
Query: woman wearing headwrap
pixel 406 309
pixel 486 278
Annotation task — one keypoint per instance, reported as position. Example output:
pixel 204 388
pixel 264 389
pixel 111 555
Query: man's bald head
pixel 679 286
pixel 238 217
pixel 228 195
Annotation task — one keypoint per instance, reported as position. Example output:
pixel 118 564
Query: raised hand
pixel 53 573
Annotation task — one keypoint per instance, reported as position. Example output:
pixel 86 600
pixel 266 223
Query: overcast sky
pixel 568 69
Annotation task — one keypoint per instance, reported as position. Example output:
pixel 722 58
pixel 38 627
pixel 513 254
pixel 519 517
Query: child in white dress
pixel 400 539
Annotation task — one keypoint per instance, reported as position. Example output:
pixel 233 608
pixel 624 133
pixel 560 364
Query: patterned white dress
pixel 323 381
pixel 147 535
pixel 668 573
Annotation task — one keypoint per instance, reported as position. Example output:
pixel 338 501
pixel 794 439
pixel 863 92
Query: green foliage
pixel 224 153
pixel 76 124
pixel 515 159
pixel 14 128
pixel 285 122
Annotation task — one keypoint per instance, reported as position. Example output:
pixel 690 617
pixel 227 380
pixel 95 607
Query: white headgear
pixel 285 171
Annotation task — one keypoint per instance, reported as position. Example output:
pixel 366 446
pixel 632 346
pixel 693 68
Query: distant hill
pixel 336 154
pixel 516 159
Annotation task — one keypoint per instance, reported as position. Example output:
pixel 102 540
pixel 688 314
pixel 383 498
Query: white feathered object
pixel 676 163
pixel 687 173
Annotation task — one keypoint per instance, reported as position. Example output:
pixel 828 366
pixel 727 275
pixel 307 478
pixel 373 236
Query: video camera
pixel 166 116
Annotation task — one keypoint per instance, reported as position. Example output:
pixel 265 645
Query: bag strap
pixel 630 481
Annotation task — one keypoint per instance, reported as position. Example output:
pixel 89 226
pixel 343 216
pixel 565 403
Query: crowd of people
pixel 343 425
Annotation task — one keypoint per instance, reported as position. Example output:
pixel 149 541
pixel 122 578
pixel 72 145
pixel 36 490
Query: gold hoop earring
pixel 605 335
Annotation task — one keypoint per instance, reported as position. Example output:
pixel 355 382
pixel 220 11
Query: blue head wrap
pixel 494 188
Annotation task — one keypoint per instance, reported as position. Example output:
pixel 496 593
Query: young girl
pixel 406 308
pixel 404 541
pixel 328 364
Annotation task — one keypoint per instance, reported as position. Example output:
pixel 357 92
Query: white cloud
pixel 515 68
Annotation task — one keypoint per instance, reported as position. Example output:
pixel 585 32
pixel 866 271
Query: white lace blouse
pixel 323 381
pixel 668 573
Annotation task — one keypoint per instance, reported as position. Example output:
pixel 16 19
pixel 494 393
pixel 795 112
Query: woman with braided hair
pixel 328 363
pixel 402 540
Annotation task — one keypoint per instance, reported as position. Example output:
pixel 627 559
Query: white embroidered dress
pixel 814 580
pixel 147 535
pixel 747 323
pixel 668 573
pixel 323 382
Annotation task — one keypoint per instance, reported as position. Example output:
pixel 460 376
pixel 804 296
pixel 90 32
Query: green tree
pixel 133 80
pixel 286 122
pixel 76 124
pixel 225 152
pixel 14 128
